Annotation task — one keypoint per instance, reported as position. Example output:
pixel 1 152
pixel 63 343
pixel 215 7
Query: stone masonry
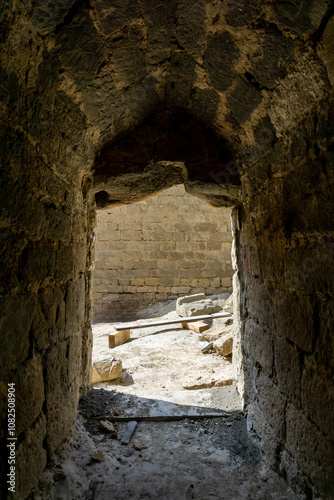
pixel 104 104
pixel 169 245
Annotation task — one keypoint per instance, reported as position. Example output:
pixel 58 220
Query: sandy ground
pixel 193 458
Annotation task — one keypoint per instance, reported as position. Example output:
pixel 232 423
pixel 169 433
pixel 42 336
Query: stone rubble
pixel 106 368
pixel 195 305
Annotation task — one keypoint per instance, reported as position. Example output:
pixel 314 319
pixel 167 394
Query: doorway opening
pixel 148 256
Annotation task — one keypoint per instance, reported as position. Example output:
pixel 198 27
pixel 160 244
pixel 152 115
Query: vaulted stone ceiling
pixel 248 71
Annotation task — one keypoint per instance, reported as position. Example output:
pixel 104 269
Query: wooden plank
pixel 198 326
pixel 132 326
pixel 130 429
pixel 159 418
pixel 118 338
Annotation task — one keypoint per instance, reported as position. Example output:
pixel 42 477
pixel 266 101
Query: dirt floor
pixel 190 442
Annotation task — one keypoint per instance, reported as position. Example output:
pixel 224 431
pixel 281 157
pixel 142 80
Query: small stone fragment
pixel 97 457
pixel 224 345
pixel 108 427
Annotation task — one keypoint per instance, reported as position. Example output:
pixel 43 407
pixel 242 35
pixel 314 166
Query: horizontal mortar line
pixel 132 326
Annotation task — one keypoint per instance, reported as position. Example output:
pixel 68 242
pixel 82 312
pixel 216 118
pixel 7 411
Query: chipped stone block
pixel 197 307
pixel 106 369
pixel 213 335
pixel 224 345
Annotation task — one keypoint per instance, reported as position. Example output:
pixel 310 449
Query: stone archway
pixel 75 78
pixel 165 150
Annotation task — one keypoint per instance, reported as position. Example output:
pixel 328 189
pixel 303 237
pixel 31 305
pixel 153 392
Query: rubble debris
pixel 208 380
pixel 97 457
pixel 195 305
pixel 105 368
pixel 108 427
pixel 217 333
pixel 224 345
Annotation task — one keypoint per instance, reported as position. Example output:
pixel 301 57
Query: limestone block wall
pixel 168 245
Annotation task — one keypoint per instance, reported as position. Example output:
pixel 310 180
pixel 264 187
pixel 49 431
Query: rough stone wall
pixel 285 259
pixel 108 103
pixel 45 335
pixel 169 245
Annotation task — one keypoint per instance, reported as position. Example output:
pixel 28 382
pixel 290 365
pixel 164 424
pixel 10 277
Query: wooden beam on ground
pixel 118 338
pixel 198 326
pixel 132 326
pixel 159 418
pixel 130 429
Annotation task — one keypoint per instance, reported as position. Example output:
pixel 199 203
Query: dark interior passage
pixel 82 89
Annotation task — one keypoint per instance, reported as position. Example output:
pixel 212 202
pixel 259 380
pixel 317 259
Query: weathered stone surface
pixel 302 434
pixel 326 49
pixel 31 457
pixel 196 308
pixel 81 65
pixel 29 393
pixel 188 299
pixel 242 12
pixel 49 317
pixel 204 104
pixel 296 319
pixel 259 344
pixel 287 355
pixel 212 335
pixel 61 395
pixel 15 326
pixel 46 16
pixel 224 345
pixel 206 380
pixel 271 402
pixel 243 100
pixel 106 368
pixel 180 80
pixel 129 58
pixel 119 14
pixel 191 25
pixel 317 396
pixel 220 59
pixel 271 58
pixel 75 82
pixel 300 18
